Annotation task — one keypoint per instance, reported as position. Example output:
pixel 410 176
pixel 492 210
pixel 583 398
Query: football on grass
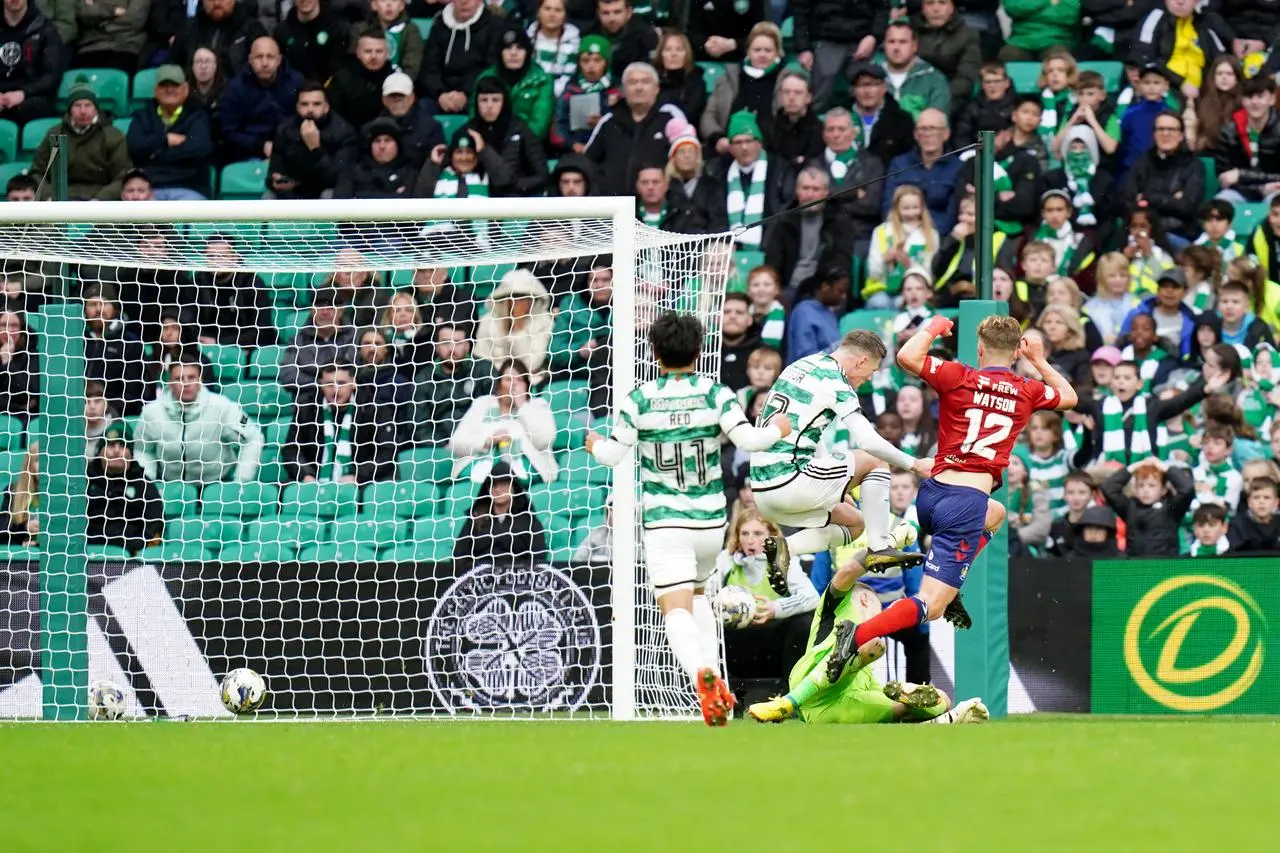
pixel 106 701
pixel 243 691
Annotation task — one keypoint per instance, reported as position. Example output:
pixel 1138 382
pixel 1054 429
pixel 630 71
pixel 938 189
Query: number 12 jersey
pixel 981 413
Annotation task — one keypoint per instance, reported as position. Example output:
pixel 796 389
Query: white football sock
pixel 875 508
pixel 705 618
pixel 818 540
pixel 682 636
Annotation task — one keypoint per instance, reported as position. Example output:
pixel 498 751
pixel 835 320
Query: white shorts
pixel 807 499
pixel 680 558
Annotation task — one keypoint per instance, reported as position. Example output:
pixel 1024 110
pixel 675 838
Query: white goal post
pixel 341 627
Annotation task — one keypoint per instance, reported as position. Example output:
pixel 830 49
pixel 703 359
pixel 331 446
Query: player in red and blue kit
pixel 981 413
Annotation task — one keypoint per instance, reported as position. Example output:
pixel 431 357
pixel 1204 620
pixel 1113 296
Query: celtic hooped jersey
pixel 676 421
pixel 812 392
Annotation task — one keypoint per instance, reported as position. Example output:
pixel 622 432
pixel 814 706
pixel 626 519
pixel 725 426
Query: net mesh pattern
pixel 345 455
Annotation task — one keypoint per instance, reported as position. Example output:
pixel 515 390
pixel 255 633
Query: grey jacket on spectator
pixel 309 352
pixel 103 31
pixel 67 15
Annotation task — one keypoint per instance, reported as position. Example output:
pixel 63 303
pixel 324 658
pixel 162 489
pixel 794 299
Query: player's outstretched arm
pixel 913 353
pixel 1032 348
pixel 866 438
pixel 751 438
pixel 610 451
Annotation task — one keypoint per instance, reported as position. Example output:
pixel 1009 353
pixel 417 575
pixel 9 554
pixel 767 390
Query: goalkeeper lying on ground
pixel 857 697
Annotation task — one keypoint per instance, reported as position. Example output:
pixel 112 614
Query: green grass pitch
pixel 1048 783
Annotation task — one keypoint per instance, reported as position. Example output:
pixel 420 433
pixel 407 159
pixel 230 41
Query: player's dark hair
pixel 1209 513
pixel 676 339
pixel 1222 209
pixel 866 342
pixel 1221 432
pixel 22 182
pixel 1077 476
pixel 186 357
pixel 1264 484
pixel 1132 365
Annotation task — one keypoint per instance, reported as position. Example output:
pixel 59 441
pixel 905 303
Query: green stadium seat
pixel 337 552
pixel 400 500
pixel 320 500
pixel 435 537
pixel 746 260
pixel 485 277
pixel 424 26
pixel 143 88
pixel 420 552
pixel 375 533
pixel 788 29
pixel 179 498
pixel 262 401
pixel 12 433
pixel 34 132
pixel 875 321
pixel 212 533
pixel 227 360
pixel 109 84
pixel 425 465
pixel 122 124
pixel 1210 178
pixel 246 180
pixel 293 533
pixel 288 322
pixel 177 552
pixel 245 501
pixel 562 536
pixel 271 471
pixel 1247 218
pixel 451 124
pixel 17 553
pixel 8 141
pixel 1112 73
pixel 257 552
pixel 10 465
pixel 106 552
pixel 560 499
pixel 711 72
pixel 8 170
pixel 244 235
pixel 458 499
pixel 1024 76
pixel 264 363
pixel 276 434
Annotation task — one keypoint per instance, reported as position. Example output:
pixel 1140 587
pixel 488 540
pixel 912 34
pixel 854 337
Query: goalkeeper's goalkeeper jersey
pixel 812 392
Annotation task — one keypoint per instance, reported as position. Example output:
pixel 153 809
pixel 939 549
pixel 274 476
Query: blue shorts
pixel 955 516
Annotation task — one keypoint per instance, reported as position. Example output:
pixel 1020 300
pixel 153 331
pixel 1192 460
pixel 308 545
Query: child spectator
pixel 1218 102
pixel 1215 219
pixel 1059 75
pixel 592 78
pixel 1026 130
pixel 1175 444
pixel 764 366
pixel 1264 292
pixel 1257 529
pixel 1217 480
pixel 889 425
pixel 1088 188
pixel 1202 268
pixel 1066 291
pixel 1090 113
pixel 1114 300
pixel 1209 522
pixel 1004 289
pixel 1073 251
pixel 763 288
pixel 1173 323
pixel 1244 154
pixel 1065 336
pixel 993 105
pixel 1077 491
pixel 917 304
pixel 1162 494
pixel 1146 351
pixel 1039 261
pixel 1101 368
pixel 1255 469
pixel 1047 463
pixel 1239 324
pixel 1096 535
pixel 1147 249
pixel 905 240
pixel 1137 126
pixel 1028 504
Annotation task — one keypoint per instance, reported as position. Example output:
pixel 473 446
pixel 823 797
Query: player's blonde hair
pixel 1000 333
pixel 864 341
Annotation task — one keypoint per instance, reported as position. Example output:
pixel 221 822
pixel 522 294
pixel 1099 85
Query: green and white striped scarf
pixel 1229 247
pixel 1113 445
pixel 1175 442
pixel 338 453
pixel 394 37
pixel 773 325
pixel 747 209
pixel 557 57
pixel 471 185
pixel 1080 169
pixel 1056 109
pixel 1147 367
pixel 1215 550
pixel 1226 482
pixel 653 220
pixel 1051 473
pixel 838 163
pixel 1064 242
pixel 1201 298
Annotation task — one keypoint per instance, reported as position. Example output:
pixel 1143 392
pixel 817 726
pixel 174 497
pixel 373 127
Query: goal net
pixel 338 443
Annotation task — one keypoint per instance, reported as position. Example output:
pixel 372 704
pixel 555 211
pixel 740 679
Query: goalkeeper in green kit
pixel 857 697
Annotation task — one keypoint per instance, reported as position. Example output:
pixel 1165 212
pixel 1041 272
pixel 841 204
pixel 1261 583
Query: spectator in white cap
pixel 419 131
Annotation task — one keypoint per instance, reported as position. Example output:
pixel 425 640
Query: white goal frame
pixel 619 210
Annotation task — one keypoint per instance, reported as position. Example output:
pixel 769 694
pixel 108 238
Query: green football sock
pixel 811 686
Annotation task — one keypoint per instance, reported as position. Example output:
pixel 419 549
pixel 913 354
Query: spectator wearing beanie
pixel 459 47
pixel 1038 27
pixel 685 167
pixel 97 154
pixel 383 170
pixel 946 43
pixel 525 171
pixel 463 170
pixel 750 87
pixel 752 191
pixel 592 78
pixel 633 132
pixel 532 90
pixel 257 101
pixel 30 81
pixel 355 91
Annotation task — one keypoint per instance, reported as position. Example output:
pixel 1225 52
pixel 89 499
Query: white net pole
pixel 351 550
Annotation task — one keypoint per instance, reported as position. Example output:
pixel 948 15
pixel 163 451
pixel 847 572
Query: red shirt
pixel 981 413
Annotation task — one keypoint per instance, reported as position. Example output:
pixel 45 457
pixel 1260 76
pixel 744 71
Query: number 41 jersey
pixel 981 413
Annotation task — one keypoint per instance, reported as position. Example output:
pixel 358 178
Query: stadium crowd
pixel 1138 228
